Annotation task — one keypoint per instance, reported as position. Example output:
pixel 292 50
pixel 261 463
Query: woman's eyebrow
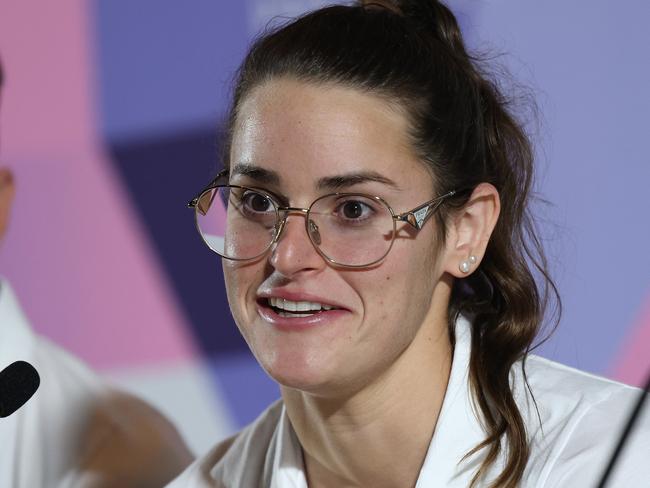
pixel 340 182
pixel 331 183
pixel 257 173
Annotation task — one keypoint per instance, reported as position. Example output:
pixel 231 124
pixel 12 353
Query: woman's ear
pixel 469 230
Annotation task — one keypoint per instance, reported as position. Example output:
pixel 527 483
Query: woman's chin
pixel 317 383
pixel 300 375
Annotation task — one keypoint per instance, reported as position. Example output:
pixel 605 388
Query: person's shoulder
pixel 92 432
pixel 127 442
pixel 569 386
pixel 561 396
pixel 234 460
pixel 574 420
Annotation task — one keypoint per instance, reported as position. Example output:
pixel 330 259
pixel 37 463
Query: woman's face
pixel 289 137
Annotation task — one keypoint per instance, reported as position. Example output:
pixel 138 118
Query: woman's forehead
pixel 289 126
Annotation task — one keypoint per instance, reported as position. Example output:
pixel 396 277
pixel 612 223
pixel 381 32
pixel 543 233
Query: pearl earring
pixel 466 265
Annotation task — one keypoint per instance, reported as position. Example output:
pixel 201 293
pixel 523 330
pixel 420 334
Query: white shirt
pixel 76 431
pixel 582 416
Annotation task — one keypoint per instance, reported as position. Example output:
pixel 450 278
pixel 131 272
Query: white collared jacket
pixel 581 419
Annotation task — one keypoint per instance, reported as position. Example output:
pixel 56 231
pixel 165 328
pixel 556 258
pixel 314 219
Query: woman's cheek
pixel 235 280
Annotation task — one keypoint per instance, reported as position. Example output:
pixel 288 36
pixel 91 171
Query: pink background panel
pixel 86 278
pixel 47 104
pixel 631 363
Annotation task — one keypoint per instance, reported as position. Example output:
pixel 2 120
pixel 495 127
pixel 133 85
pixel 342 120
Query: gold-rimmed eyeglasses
pixel 352 230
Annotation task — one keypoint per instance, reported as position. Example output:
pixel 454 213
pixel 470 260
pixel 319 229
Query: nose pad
pixel 314 233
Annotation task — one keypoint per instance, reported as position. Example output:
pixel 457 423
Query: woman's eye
pixel 355 210
pixel 257 202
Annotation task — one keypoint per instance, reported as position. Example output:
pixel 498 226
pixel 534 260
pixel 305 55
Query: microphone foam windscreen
pixel 18 382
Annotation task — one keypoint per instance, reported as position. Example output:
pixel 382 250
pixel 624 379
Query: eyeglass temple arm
pixel 418 216
pixel 192 203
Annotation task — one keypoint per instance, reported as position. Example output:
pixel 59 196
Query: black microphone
pixel 18 382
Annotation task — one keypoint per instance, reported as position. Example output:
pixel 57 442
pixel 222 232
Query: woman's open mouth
pixel 289 308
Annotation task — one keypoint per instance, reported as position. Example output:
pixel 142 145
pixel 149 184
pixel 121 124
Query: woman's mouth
pixel 302 313
pixel 290 308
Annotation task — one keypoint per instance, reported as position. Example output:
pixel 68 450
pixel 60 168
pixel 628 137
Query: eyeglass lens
pixel 241 223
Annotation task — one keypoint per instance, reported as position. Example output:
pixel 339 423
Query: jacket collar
pixel 458 429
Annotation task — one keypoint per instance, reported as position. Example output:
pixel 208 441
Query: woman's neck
pixel 379 435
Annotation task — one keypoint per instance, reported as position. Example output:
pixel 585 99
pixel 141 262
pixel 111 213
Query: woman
pixel 377 248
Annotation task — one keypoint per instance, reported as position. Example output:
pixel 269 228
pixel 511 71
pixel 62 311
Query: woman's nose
pixel 294 252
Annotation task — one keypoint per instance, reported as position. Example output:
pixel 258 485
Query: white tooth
pixel 294 315
pixel 291 306
pixel 303 306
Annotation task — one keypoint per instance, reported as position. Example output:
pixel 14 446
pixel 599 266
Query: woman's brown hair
pixel 411 54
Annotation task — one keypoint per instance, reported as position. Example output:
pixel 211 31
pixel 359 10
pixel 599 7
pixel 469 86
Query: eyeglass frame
pixel 416 217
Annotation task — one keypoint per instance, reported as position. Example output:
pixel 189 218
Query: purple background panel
pixel 245 384
pixel 165 65
pixel 162 175
pixel 587 68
